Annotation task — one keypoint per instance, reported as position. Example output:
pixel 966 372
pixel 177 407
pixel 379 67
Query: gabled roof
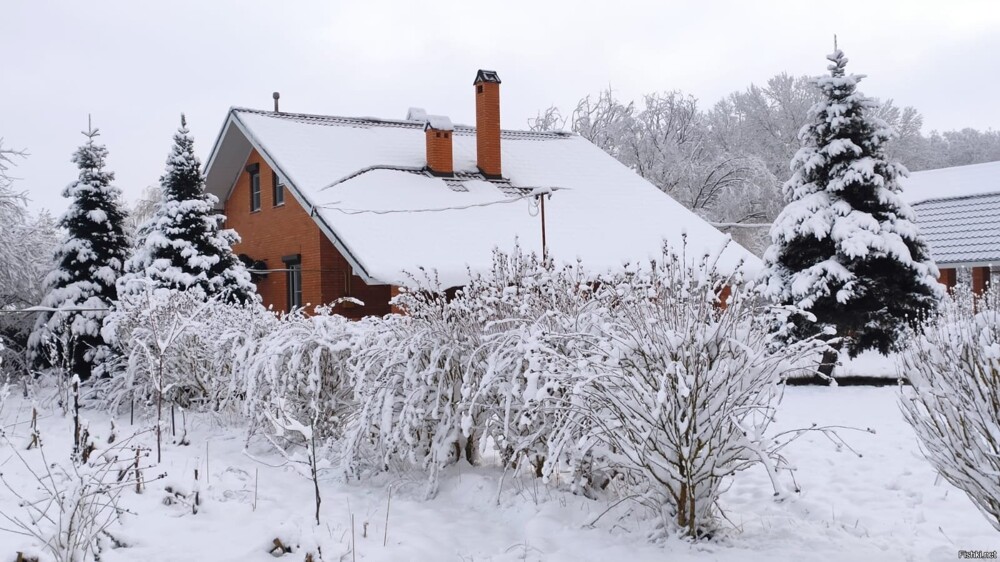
pixel 961 230
pixel 365 183
pixel 957 181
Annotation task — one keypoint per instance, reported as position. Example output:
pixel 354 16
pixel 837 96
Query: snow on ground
pixel 868 364
pixel 884 505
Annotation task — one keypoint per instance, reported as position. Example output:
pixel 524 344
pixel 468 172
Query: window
pixel 254 171
pixel 293 277
pixel 278 190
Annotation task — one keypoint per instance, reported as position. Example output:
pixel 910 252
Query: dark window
pixel 254 171
pixel 479 89
pixel 293 276
pixel 279 190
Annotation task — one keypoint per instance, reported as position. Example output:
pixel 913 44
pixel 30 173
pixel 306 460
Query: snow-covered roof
pixel 957 181
pixel 958 212
pixel 365 183
pixel 961 230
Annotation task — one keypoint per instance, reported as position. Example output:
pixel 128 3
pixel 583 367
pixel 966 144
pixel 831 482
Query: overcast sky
pixel 135 66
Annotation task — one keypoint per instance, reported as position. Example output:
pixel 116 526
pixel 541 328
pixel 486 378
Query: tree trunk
pixel 828 362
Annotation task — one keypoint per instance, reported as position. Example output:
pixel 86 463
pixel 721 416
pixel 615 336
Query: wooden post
pixel 541 205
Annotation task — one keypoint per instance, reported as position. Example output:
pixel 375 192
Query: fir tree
pixel 87 264
pixel 845 248
pixel 182 245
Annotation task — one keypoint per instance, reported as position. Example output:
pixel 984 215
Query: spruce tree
pixel 182 245
pixel 88 262
pixel 845 248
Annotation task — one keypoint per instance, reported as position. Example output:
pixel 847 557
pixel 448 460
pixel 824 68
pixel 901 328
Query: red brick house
pixel 339 206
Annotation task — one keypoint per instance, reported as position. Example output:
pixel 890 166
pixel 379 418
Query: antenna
pixel 276 96
pixel 834 43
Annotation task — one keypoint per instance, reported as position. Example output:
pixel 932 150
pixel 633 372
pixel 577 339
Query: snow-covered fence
pixel 954 407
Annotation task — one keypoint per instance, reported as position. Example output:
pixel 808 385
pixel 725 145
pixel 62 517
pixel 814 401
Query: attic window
pixel 254 171
pixel 278 190
pixel 479 89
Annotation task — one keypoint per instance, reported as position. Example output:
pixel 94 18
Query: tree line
pixel 727 161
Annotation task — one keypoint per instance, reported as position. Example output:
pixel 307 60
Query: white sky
pixel 135 66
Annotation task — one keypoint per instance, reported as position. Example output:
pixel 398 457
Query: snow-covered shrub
pixel 664 376
pixel 28 245
pixel 466 369
pixel 954 407
pixel 684 393
pixel 179 347
pixel 69 513
pixel 540 319
pixel 409 374
pixel 300 370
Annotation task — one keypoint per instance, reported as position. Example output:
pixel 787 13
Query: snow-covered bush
pixel 299 370
pixel 468 368
pixel 69 513
pixel 408 377
pixel 540 321
pixel 678 394
pixel 954 407
pixel 179 347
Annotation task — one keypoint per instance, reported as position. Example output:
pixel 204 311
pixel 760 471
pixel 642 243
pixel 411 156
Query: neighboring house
pixel 339 206
pixel 958 212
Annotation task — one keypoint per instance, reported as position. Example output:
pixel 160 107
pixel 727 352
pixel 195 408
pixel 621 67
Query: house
pixel 958 212
pixel 344 206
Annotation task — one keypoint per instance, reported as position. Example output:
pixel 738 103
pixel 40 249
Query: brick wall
pixel 980 279
pixel 948 278
pixel 274 232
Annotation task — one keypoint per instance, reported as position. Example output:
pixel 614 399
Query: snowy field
pixel 883 505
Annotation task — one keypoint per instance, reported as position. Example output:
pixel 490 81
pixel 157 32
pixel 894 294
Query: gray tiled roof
pixel 961 229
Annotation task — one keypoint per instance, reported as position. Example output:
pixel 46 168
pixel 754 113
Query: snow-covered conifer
pixel 87 263
pixel 845 248
pixel 183 244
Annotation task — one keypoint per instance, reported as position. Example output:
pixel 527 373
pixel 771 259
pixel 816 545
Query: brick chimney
pixel 438 130
pixel 487 86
